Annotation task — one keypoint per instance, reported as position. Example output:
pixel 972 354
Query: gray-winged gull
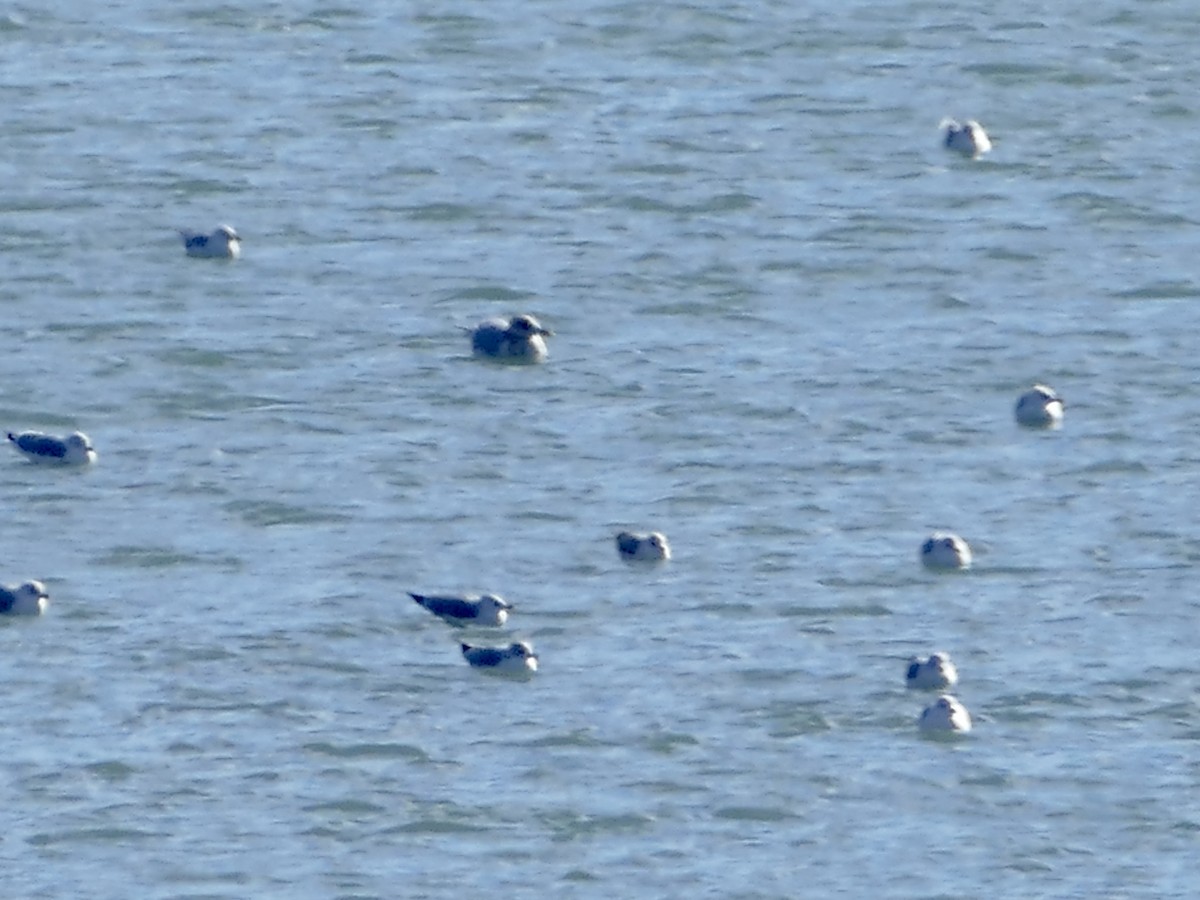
pixel 516 659
pixel 486 609
pixel 651 547
pixel 1040 407
pixel 73 450
pixel 28 599
pixel 520 339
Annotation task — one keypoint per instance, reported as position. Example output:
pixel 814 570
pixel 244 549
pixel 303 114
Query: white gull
pixel 943 550
pixel 968 138
pixel 946 715
pixel 935 673
pixel 223 243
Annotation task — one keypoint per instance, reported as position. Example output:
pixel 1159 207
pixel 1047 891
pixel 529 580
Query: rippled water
pixel 790 333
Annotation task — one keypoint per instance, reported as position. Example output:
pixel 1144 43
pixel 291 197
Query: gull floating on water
pixel 935 673
pixel 73 450
pixel 1040 407
pixel 29 599
pixel 223 243
pixel 652 547
pixel 486 609
pixel 943 550
pixel 516 659
pixel 968 138
pixel 520 339
pixel 946 715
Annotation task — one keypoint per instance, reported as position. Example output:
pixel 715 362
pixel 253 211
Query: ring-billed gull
pixel 947 714
pixel 223 243
pixel 73 450
pixel 517 658
pixel 485 609
pixel 935 673
pixel 943 550
pixel 968 138
pixel 652 547
pixel 520 339
pixel 1040 407
pixel 28 599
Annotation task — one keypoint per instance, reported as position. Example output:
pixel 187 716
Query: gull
pixel 73 450
pixel 520 339
pixel 1040 407
pixel 936 673
pixel 968 138
pixel 652 547
pixel 947 714
pixel 486 609
pixel 943 550
pixel 29 599
pixel 516 659
pixel 223 243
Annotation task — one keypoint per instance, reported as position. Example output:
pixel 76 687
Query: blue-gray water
pixel 790 333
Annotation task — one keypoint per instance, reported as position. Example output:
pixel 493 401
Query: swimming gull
pixel 486 609
pixel 652 547
pixel 520 339
pixel 968 138
pixel 28 599
pixel 223 243
pixel 73 450
pixel 516 659
pixel 946 715
pixel 935 673
pixel 1040 407
pixel 943 550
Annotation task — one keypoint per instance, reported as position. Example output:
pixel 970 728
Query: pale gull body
pixel 935 673
pixel 28 599
pixel 968 138
pixel 943 550
pixel 946 715
pixel 520 339
pixel 1040 407
pixel 652 547
pixel 516 659
pixel 486 609
pixel 223 243
pixel 73 450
